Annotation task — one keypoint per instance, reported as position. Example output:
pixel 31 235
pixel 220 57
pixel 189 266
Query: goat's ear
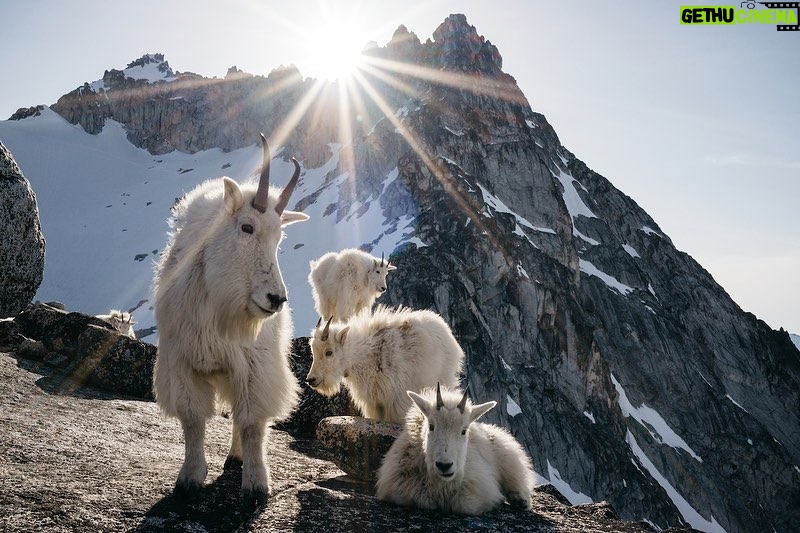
pixel 232 196
pixel 290 217
pixel 479 410
pixel 342 334
pixel 390 267
pixel 421 402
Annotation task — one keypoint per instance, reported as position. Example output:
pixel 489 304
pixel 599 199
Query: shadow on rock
pixel 216 507
pixel 344 504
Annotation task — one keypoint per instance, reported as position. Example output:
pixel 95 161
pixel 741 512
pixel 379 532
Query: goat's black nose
pixel 443 467
pixel 276 300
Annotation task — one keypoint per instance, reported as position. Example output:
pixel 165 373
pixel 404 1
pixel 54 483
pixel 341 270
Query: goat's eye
pixel 328 353
pixel 430 426
pixel 247 228
pixel 464 431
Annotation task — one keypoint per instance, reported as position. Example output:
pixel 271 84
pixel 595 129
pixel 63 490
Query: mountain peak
pixel 146 63
pixel 462 48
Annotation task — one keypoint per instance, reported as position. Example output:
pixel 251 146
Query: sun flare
pixel 332 49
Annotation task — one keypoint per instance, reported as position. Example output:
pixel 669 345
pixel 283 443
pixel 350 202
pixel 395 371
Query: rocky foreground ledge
pixel 77 458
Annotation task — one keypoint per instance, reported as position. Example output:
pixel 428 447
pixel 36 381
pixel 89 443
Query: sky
pixel 698 124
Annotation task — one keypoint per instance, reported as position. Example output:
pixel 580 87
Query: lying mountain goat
pixel 224 331
pixel 344 283
pixel 120 321
pixel 380 355
pixel 445 460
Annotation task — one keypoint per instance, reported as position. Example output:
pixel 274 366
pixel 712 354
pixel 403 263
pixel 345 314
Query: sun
pixel 331 48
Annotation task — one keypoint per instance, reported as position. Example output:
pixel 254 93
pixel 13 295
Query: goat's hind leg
pixel 234 459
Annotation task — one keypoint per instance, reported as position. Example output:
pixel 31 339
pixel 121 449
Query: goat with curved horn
pixel 326 331
pixel 262 194
pixel 462 404
pixel 439 401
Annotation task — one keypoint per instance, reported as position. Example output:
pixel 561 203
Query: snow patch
pixel 584 238
pixel 737 404
pixel 500 207
pixel 653 422
pixel 512 408
pixel 650 231
pixel 575 204
pixel 590 416
pixel 688 512
pixel 631 251
pixel 574 497
pixel 614 284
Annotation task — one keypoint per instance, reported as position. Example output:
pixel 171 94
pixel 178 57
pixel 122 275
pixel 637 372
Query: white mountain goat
pixel 445 460
pixel 224 331
pixel 344 283
pixel 120 321
pixel 380 355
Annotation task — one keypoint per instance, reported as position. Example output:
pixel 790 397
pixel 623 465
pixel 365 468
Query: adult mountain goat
pixel 344 283
pixel 445 460
pixel 224 331
pixel 380 355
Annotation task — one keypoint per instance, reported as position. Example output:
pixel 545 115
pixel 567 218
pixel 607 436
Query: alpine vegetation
pixel 224 331
pixel 380 355
pixel 445 460
pixel 120 321
pixel 344 283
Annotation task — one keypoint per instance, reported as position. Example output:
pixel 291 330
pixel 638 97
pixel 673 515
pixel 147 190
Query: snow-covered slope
pixel 105 217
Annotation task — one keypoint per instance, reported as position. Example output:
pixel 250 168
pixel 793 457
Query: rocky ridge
pixel 106 459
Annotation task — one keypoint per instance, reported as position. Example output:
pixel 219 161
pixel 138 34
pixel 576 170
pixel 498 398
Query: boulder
pixel 22 246
pixel 357 445
pixel 82 350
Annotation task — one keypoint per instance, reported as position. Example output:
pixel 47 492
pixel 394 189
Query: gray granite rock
pixel 22 245
pixel 78 459
pixel 357 445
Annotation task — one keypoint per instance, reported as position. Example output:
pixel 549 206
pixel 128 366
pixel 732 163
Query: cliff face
pixel 628 373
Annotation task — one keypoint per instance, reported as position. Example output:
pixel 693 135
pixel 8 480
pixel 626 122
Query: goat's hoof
pixel 186 490
pixel 232 463
pixel 518 502
pixel 254 498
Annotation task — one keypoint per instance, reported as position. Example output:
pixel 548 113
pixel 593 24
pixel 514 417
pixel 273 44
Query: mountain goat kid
pixel 445 460
pixel 380 355
pixel 224 331
pixel 120 321
pixel 344 283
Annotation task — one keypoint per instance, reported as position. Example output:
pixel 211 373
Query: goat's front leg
pixel 194 469
pixel 255 474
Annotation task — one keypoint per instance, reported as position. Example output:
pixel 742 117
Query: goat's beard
pixel 328 389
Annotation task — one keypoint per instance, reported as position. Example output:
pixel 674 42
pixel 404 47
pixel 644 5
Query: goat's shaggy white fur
pixel 344 283
pixel 120 321
pixel 380 355
pixel 445 460
pixel 224 333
